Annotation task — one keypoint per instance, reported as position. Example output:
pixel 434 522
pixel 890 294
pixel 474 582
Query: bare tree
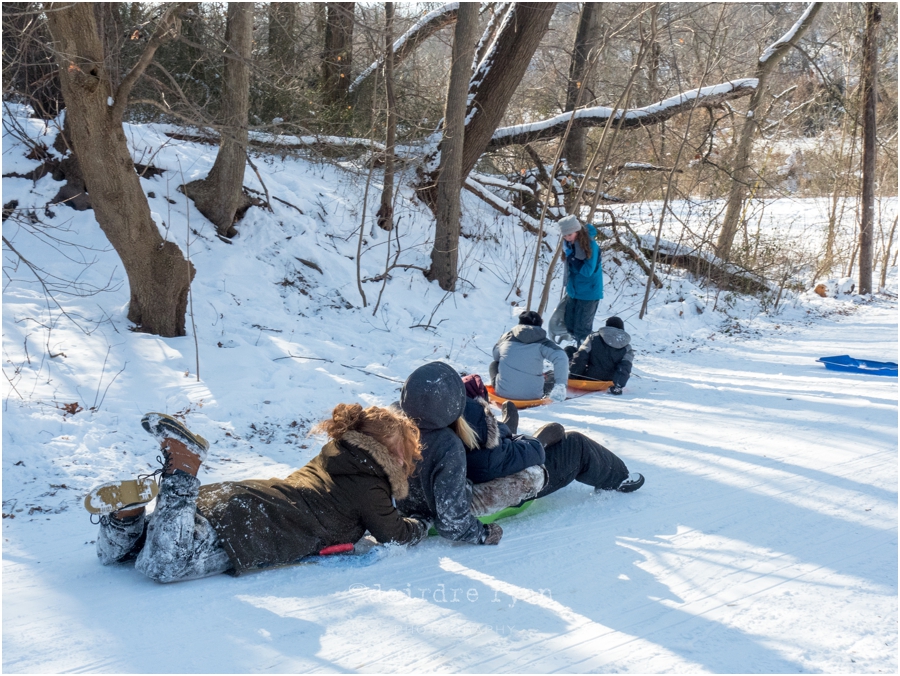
pixel 445 254
pixel 587 38
pixel 869 96
pixel 741 166
pixel 423 29
pixel 385 215
pixel 220 196
pixel 499 73
pixel 338 54
pixel 29 69
pixel 283 19
pixel 158 274
pixel 493 83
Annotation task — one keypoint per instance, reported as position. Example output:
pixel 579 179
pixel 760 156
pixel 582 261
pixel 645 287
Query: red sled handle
pixel 336 549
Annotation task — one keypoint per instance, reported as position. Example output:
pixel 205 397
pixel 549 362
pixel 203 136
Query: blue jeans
pixel 580 318
pixel 172 544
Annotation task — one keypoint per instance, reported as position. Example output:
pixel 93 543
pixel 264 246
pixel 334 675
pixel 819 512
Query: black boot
pixel 510 416
pixel 551 433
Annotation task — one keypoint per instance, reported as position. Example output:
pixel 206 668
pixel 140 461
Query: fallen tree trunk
pixel 598 116
pixel 726 276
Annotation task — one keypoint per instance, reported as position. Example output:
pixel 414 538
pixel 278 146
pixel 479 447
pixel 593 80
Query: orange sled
pixel 520 403
pixel 590 385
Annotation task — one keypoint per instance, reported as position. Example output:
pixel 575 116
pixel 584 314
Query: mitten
pixel 558 393
pixel 615 389
pixel 492 534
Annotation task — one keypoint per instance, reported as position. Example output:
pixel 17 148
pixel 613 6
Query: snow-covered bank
pixel 765 539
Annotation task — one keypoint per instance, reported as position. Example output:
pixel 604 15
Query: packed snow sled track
pixel 765 540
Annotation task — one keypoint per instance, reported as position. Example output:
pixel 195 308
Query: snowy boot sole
pixel 164 427
pixel 118 495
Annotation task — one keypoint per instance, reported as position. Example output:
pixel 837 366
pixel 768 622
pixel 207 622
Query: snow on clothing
pixel 175 543
pixel 434 397
pixel 342 492
pixel 585 271
pixel 520 355
pixel 605 355
pixel 500 452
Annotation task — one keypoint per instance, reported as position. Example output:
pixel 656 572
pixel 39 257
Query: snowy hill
pixel 765 538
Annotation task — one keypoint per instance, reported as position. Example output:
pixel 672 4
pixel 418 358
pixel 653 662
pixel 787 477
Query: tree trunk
pixel 500 73
pixel 741 170
pixel 385 215
pixel 493 85
pixel 282 27
pixel 338 53
pixel 110 27
pixel 587 38
pixel 445 254
pixel 220 196
pixel 869 82
pixel 158 274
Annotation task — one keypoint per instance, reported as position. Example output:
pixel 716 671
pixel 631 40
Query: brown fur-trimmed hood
pixel 481 419
pixel 383 458
pixel 492 438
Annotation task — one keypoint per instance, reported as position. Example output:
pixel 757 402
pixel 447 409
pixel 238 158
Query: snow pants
pixel 580 318
pixel 175 543
pixel 578 458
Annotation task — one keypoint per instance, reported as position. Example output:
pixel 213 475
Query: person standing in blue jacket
pixel 584 284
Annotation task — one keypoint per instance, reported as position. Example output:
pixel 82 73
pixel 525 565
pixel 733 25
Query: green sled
pixel 502 514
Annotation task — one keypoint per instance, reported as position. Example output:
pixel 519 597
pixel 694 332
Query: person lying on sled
pixel 434 396
pixel 606 354
pixel 239 526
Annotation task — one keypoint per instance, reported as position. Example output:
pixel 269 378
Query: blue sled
pixel 845 362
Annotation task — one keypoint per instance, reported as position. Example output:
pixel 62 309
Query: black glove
pixel 615 389
pixel 492 534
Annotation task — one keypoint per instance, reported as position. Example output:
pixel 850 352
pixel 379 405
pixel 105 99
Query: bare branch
pixel 166 28
pixel 407 43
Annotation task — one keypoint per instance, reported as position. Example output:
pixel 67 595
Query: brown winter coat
pixel 334 499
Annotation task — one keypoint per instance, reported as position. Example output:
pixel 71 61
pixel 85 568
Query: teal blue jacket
pixel 585 277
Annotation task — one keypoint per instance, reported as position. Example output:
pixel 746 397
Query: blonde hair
pixel 467 435
pixel 382 424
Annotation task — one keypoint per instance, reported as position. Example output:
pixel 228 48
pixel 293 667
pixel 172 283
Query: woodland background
pixel 728 105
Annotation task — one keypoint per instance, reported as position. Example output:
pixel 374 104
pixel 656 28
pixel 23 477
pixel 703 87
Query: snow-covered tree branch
pixel 597 116
pixel 407 43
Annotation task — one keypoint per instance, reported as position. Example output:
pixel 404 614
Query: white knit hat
pixel 568 225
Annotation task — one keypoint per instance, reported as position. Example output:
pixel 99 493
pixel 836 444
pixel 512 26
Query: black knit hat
pixel 530 318
pixel 433 396
pixel 616 323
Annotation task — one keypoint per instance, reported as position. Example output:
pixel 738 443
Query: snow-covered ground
pixel 765 538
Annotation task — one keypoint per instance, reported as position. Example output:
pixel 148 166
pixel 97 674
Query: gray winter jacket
pixel 520 354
